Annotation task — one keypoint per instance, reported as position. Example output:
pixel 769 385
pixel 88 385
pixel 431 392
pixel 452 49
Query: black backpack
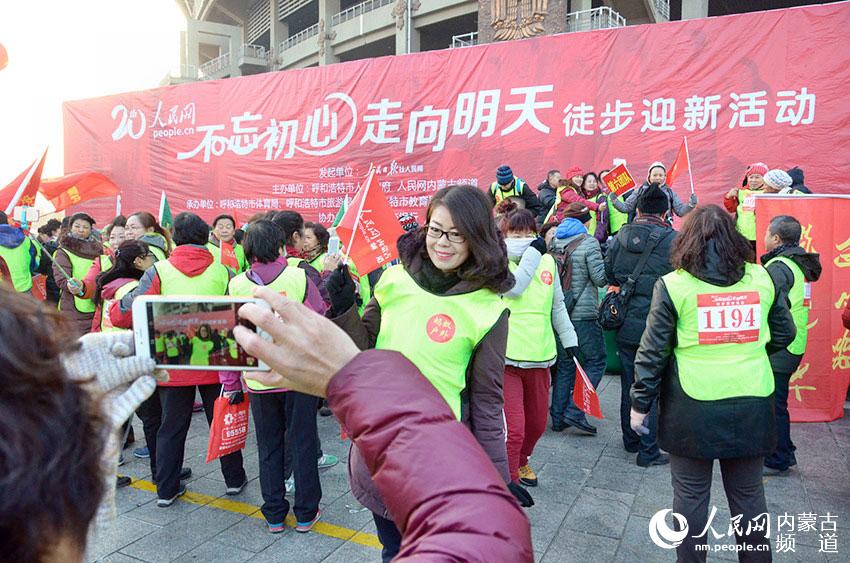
pixel 565 271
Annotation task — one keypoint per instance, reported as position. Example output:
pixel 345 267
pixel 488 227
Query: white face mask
pixel 517 246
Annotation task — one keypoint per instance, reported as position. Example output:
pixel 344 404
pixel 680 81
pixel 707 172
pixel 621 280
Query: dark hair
pixel 148 221
pixel 223 216
pixel 81 217
pixel 517 220
pixel 472 214
pixel 705 225
pixel 290 223
pixel 51 435
pixel 119 221
pixel 552 173
pixel 209 331
pixel 787 228
pixel 322 234
pixel 548 227
pixel 584 183
pixel 122 266
pixel 190 229
pixel 50 226
pixel 263 241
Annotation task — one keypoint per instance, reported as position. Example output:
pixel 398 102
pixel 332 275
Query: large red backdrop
pixel 769 86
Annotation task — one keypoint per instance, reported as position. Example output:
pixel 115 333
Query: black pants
pixel 742 481
pixel 278 417
pixel 646 444
pixel 171 438
pixel 389 536
pixel 783 456
pixel 150 413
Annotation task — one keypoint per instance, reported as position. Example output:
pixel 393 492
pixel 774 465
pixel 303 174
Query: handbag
pixel 612 310
pixel 229 428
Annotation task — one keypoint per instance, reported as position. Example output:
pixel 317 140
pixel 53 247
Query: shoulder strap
pixel 654 239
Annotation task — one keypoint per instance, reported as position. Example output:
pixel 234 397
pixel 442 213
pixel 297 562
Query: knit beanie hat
pixel 504 175
pixel 757 168
pixel 653 200
pixel 778 179
pixel 574 171
pixel 653 165
pixel 577 210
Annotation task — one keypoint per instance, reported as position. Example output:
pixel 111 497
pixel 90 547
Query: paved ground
pixel 593 503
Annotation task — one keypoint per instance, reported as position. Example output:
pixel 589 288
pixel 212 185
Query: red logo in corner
pixel 440 328
pixel 546 277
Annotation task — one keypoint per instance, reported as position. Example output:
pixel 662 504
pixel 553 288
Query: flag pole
pixel 359 212
pixel 688 156
pixel 161 206
pixel 11 208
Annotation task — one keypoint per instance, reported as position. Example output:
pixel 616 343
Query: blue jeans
pixel 591 346
pixel 646 445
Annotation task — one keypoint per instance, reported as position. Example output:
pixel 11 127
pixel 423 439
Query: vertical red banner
pixel 818 388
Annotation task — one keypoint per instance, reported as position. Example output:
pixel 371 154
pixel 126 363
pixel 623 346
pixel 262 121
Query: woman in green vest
pixel 202 346
pixel 224 231
pixel 316 238
pixel 537 312
pixel 292 226
pixel 144 227
pixel 131 259
pixel 78 249
pixel 591 190
pixel 741 201
pixel 441 307
pixel 704 356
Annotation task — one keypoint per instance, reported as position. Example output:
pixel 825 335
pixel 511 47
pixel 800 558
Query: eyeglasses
pixel 436 233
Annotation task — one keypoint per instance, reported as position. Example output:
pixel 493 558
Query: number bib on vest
pixel 726 318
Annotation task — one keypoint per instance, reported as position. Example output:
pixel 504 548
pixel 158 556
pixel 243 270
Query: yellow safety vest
pixel 516 191
pixel 79 268
pixel 105 322
pixel 530 334
pixel 18 261
pixel 799 307
pixel 211 282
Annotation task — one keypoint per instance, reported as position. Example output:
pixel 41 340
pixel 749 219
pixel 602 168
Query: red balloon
pixel 4 57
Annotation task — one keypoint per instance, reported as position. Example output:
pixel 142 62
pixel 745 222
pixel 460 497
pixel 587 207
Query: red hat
pixel 577 171
pixel 757 168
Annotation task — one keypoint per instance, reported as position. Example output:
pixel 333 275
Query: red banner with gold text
pixel 817 390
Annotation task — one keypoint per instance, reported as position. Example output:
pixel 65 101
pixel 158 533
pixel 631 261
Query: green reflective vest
pixel 721 334
pixel 105 262
pixel 159 344
pixel 746 211
pixel 200 351
pixel 799 305
pixel 105 322
pixel 292 283
pixel 158 253
pixel 213 281
pixel 18 260
pixel 616 218
pixel 79 268
pixel 172 347
pixel 319 262
pixel 237 250
pixel 438 333
pixel 530 334
pixel 499 194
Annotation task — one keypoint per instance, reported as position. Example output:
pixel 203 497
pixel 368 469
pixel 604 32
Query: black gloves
pixel 572 352
pixel 522 496
pixel 539 245
pixel 236 397
pixel 341 290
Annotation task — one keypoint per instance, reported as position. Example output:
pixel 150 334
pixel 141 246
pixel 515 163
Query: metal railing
pixel 662 8
pixel 465 40
pixel 300 37
pixel 254 52
pixel 597 18
pixel 358 10
pixel 215 65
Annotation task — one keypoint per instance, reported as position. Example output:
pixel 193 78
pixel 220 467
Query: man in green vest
pixel 792 270
pixel 507 185
pixel 19 253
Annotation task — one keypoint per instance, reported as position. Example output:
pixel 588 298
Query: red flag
pixel 228 256
pixel 679 165
pixel 370 228
pixel 78 187
pixel 584 395
pixel 619 180
pixel 22 190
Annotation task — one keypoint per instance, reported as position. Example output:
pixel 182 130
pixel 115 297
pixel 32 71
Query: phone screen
pixel 197 334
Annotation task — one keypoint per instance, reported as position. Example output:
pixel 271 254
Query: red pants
pixel 526 411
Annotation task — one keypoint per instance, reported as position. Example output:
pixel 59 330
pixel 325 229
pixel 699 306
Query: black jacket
pixel 531 201
pixel 782 361
pixel 547 195
pixel 624 252
pixel 728 428
pixel 45 266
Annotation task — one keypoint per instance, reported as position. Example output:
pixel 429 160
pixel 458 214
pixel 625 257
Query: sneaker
pixel 327 461
pixel 185 473
pixel 122 481
pixel 582 426
pixel 142 453
pixel 166 502
pixel 232 491
pixel 289 485
pixel 662 459
pixel 527 476
pixel 197 407
pixel 305 527
pixel 276 528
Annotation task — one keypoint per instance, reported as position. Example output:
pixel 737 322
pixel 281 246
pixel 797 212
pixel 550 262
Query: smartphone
pixel 333 245
pixel 194 333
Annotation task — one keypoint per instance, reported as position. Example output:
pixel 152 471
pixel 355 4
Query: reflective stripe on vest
pixel 438 333
pixel 18 261
pixel 79 268
pixel 530 334
pixel 292 282
pixel 799 310
pixel 746 221
pixel 721 335
pixel 212 281
pixel 499 194
pixel 105 322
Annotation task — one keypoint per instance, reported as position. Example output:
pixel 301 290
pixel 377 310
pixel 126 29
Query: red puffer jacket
pixel 403 428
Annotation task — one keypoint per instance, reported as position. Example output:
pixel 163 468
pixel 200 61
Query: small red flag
pixel 584 395
pixel 619 180
pixel 228 256
pixel 370 228
pixel 75 188
pixel 680 165
pixel 16 193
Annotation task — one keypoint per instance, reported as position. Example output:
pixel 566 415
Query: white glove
pixel 636 422
pixel 120 382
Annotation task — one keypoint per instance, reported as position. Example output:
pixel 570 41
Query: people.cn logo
pixel 228 419
pixel 662 535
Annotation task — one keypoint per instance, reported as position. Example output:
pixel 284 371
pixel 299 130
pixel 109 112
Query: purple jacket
pixel 403 428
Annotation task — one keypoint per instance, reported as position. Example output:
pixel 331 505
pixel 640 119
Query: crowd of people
pixel 493 302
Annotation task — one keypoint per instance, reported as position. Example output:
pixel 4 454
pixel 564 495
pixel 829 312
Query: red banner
pixel 584 395
pixel 818 388
pixel 750 87
pixel 619 180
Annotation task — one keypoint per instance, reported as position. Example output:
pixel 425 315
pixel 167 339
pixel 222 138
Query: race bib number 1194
pixel 729 318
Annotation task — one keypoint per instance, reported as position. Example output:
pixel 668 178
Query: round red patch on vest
pixel 546 277
pixel 440 328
